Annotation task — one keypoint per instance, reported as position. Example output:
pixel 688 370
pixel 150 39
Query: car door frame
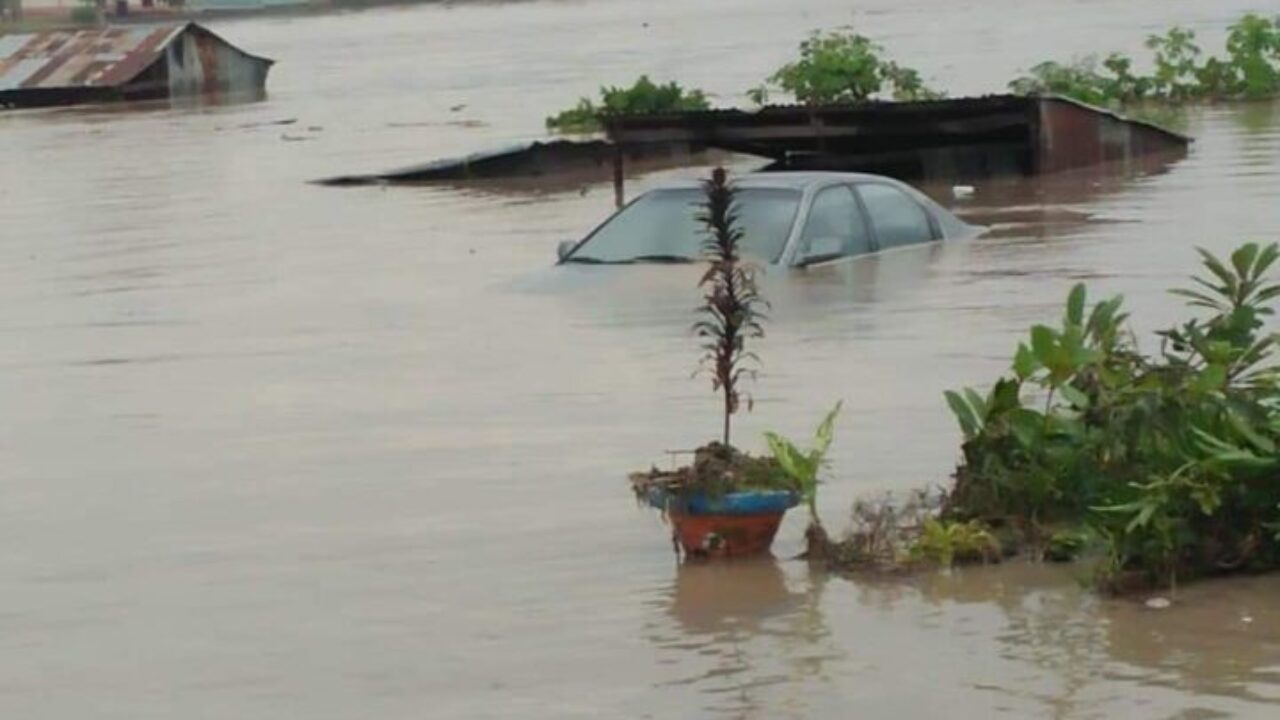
pixel 935 230
pixel 791 256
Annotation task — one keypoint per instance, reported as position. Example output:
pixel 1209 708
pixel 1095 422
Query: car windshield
pixel 662 226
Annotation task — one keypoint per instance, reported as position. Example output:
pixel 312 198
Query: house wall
pixel 198 63
pixel 1073 136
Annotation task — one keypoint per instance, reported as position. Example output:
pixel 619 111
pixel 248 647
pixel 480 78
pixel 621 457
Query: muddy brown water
pixel 277 450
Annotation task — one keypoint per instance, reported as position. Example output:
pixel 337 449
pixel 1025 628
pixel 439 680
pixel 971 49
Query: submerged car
pixel 793 219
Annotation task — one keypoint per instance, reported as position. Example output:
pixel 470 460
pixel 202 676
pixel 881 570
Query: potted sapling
pixel 726 502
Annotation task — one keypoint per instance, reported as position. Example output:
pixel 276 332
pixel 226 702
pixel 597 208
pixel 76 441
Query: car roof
pixel 795 180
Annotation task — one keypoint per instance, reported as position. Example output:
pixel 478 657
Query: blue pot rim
pixel 745 502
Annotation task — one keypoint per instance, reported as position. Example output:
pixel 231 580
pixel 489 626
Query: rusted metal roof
pixel 952 138
pixel 97 58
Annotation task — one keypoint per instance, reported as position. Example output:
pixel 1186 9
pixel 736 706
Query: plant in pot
pixel 728 502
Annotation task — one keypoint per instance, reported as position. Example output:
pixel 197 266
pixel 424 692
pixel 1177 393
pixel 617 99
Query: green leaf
pixel 1242 259
pixel 1242 426
pixel 1075 305
pixel 1043 341
pixel 1213 377
pixel 1268 257
pixel 1024 362
pixel 978 404
pixel 1147 509
pixel 1217 268
pixel 969 424
pixel 1074 396
pixel 1026 426
pixel 787 455
pixel 1267 293
pixel 1197 298
pixel 826 429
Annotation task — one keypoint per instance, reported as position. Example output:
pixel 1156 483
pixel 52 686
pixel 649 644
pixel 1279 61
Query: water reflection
pixel 1257 118
pixel 1056 204
pixel 742 629
pixel 1053 622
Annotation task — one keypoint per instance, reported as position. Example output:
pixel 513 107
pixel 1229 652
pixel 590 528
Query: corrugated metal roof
pixel 103 57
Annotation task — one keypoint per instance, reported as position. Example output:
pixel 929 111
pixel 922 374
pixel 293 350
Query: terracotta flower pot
pixel 732 525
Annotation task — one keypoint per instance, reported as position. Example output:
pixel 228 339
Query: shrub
pixel 644 96
pixel 842 67
pixel 1170 459
pixel 947 542
pixel 1085 81
pixel 1250 69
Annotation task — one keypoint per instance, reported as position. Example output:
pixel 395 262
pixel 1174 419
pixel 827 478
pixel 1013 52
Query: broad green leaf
pixel 1075 304
pixel 1242 259
pixel 1213 377
pixel 1026 426
pixel 978 403
pixel 1024 362
pixel 786 454
pixel 1074 396
pixel 968 422
pixel 1004 396
pixel 1043 341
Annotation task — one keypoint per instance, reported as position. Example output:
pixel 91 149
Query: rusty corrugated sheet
pixel 937 139
pixel 1073 135
pixel 107 57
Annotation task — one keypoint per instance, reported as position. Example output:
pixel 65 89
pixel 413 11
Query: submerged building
pixel 69 67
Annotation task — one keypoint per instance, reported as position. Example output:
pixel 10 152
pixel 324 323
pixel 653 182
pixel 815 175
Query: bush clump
pixel 843 67
pixel 643 97
pixel 1170 459
pixel 1250 70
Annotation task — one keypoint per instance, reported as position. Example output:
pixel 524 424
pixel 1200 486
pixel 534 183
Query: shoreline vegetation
pixel 1155 467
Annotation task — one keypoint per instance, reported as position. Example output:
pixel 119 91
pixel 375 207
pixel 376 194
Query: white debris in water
pixel 1158 603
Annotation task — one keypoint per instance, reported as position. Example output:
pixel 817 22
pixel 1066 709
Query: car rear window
pixel 664 224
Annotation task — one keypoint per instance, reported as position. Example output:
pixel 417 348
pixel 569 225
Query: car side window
pixel 835 226
pixel 897 218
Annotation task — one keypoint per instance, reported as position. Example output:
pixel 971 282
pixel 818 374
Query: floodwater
pixel 271 449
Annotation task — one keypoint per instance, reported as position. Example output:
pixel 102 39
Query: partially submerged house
pixel 68 67
pixel 953 138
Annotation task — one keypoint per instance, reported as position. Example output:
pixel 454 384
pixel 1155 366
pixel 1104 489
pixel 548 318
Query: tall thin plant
pixel 731 308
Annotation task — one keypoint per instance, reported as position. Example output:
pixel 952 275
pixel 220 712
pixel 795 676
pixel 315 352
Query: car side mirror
pixel 564 248
pixel 822 249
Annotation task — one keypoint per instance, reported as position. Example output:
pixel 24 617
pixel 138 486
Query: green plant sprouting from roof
pixel 1250 69
pixel 843 67
pixel 644 96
